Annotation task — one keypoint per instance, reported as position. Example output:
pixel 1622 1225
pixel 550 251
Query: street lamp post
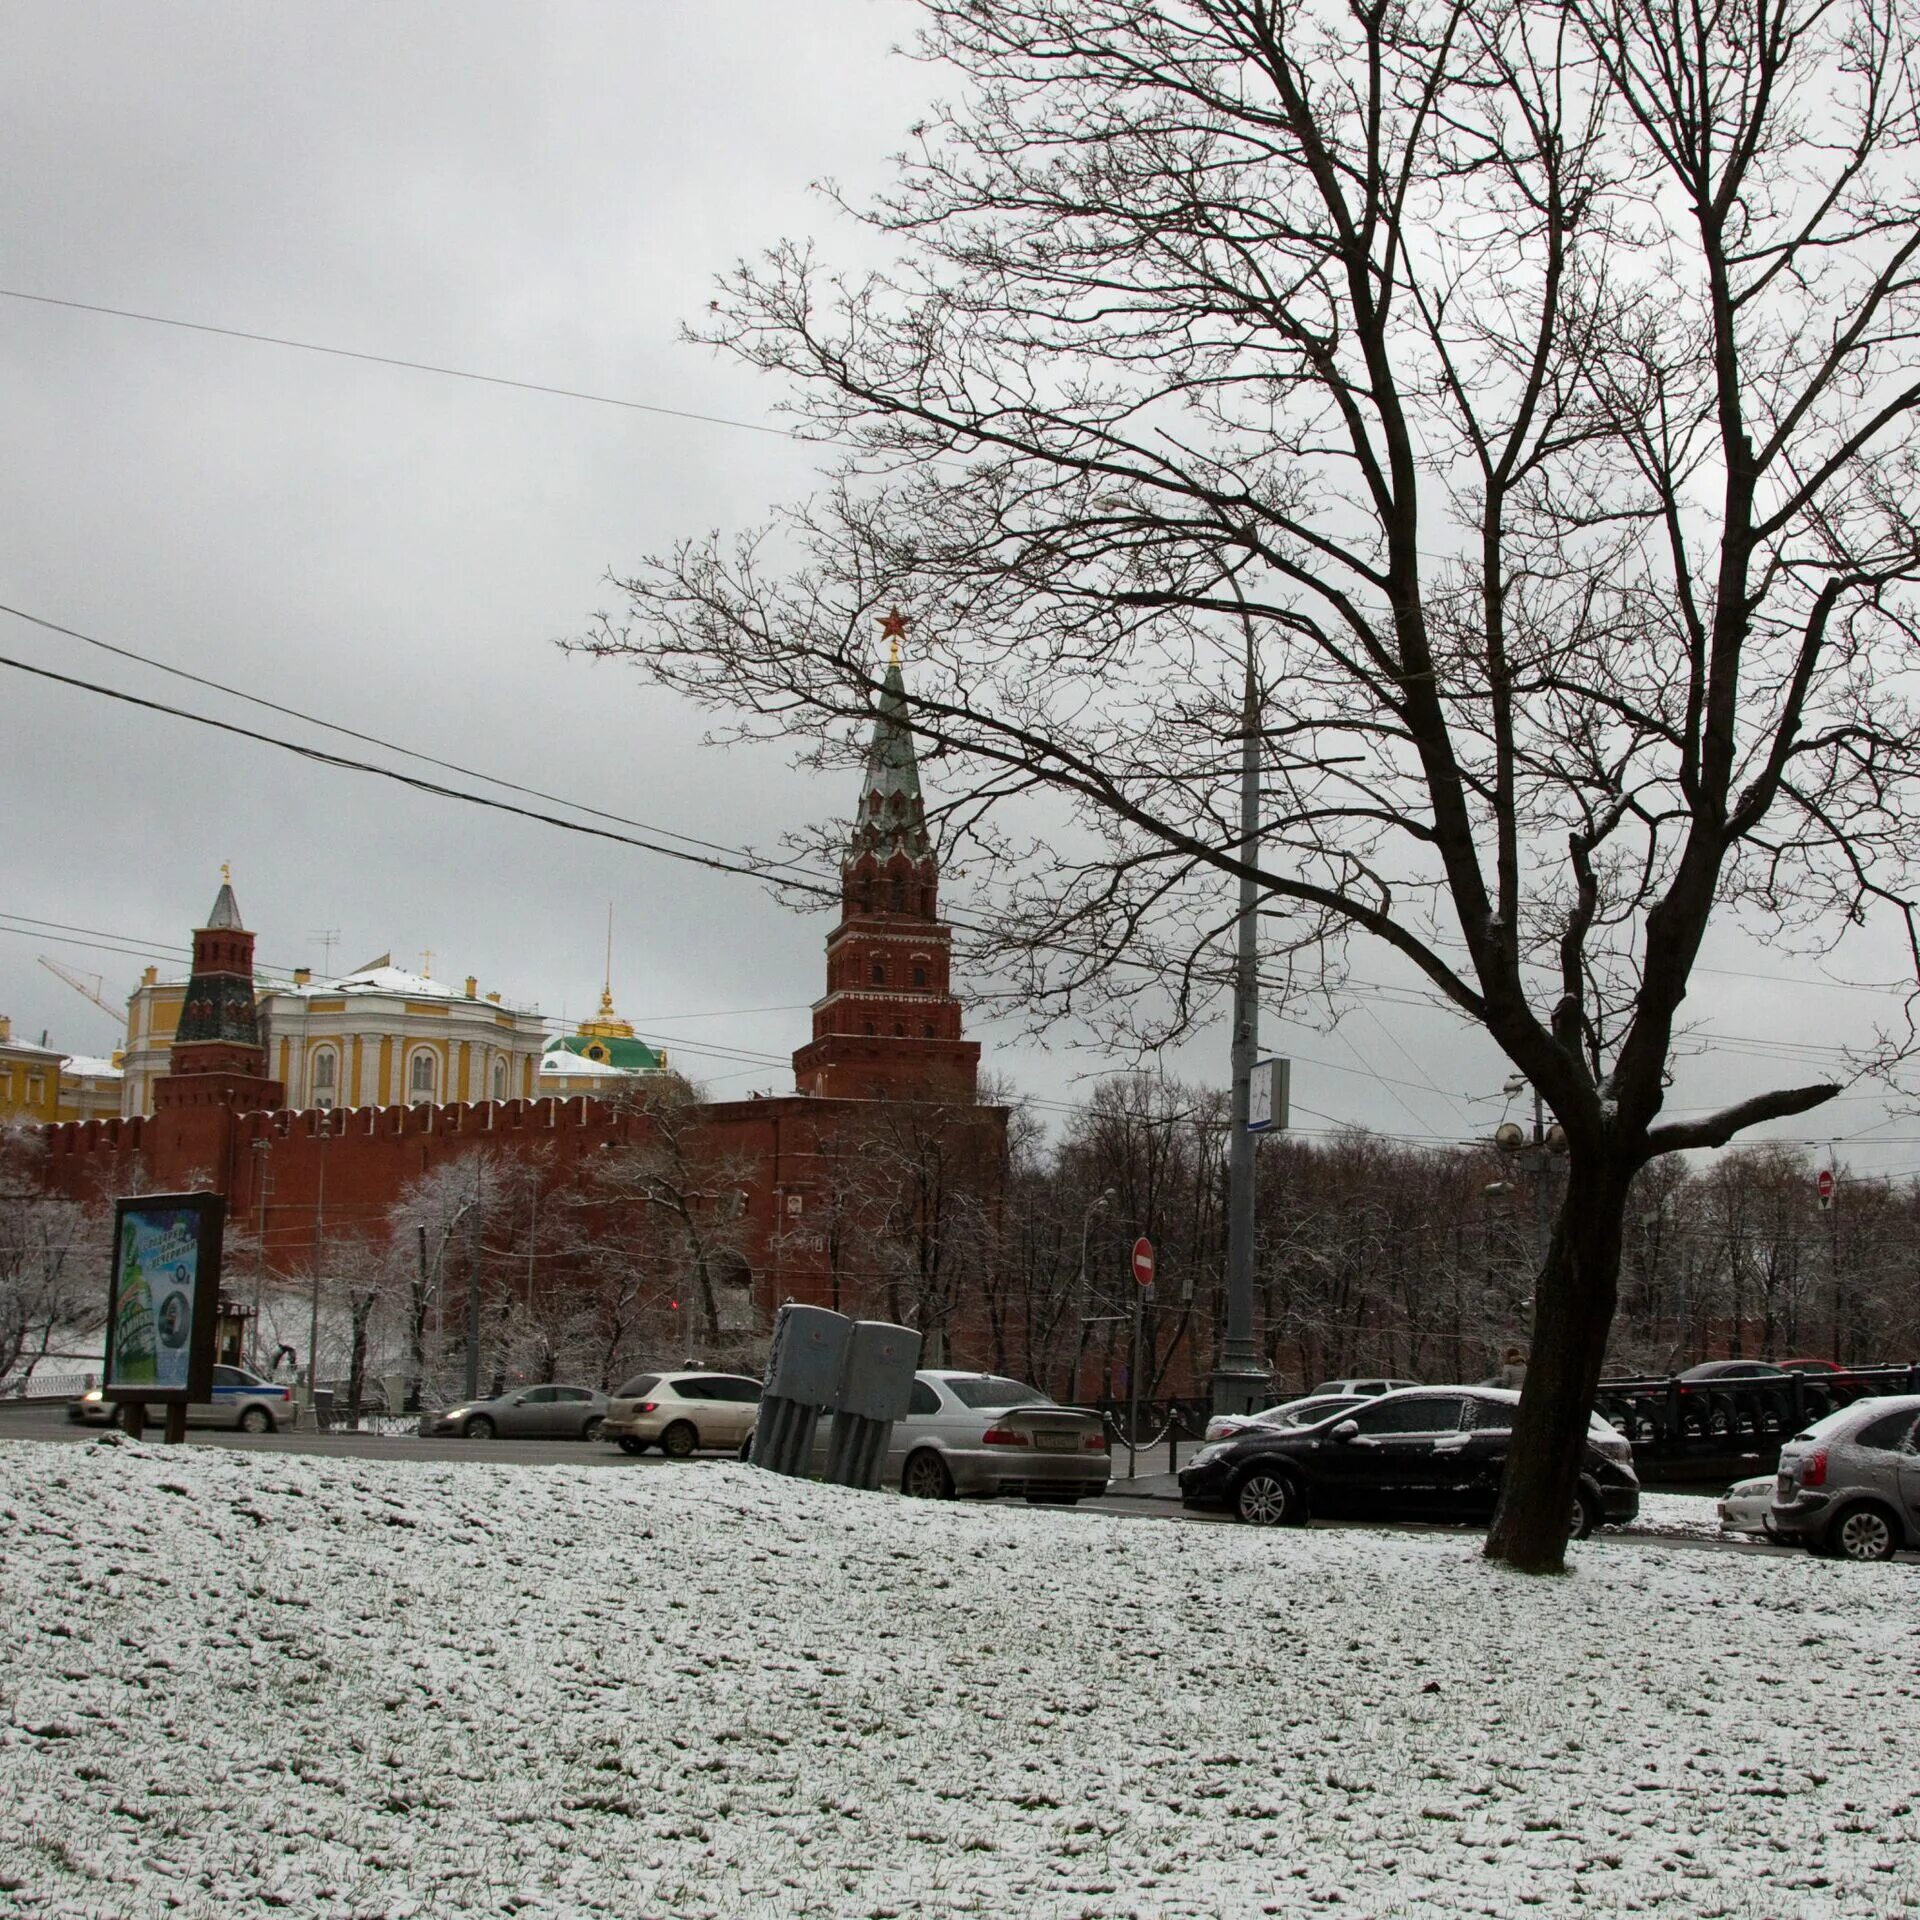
pixel 1100 1200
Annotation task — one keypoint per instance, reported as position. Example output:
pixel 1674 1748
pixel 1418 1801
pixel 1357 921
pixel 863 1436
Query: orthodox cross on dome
pixel 426 963
pixel 893 629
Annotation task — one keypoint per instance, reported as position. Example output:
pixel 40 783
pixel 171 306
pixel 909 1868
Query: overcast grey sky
pixel 541 192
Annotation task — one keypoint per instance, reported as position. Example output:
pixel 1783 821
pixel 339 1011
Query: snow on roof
pixel 577 1066
pixel 91 1065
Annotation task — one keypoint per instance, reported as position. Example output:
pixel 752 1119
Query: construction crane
pixel 79 983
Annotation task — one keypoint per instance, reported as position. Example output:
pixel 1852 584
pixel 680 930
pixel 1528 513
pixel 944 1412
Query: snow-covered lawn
pixel 240 1682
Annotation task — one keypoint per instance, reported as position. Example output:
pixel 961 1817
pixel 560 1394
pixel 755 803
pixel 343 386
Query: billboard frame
pixel 205 1219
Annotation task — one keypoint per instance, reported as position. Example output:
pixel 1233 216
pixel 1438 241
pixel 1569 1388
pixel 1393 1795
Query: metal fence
pixel 47 1386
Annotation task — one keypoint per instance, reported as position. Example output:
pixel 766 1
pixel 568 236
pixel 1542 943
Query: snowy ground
pixel 233 1683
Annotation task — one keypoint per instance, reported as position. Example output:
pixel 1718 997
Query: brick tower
pixel 219 1059
pixel 888 1027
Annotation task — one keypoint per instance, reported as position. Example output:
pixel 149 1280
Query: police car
pixel 240 1399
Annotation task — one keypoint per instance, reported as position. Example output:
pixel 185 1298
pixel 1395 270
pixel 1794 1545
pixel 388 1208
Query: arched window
pixel 926 1032
pixel 899 893
pixel 499 1079
pixel 919 976
pixel 879 973
pixel 422 1077
pixel 899 1030
pixel 326 1076
pixel 869 1029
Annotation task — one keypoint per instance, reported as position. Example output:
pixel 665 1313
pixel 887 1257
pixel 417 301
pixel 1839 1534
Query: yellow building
pixel 29 1079
pixel 384 1037
pixel 90 1088
pixel 377 1037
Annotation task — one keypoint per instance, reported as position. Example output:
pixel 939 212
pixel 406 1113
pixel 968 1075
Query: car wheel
pixel 591 1431
pixel 478 1428
pixel 925 1477
pixel 630 1445
pixel 1585 1517
pixel 1265 1499
pixel 1865 1532
pixel 679 1440
pixel 256 1420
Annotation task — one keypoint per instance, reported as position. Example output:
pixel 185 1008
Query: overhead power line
pixel 411 366
pixel 322 757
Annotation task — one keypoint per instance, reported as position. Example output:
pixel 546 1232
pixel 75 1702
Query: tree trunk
pixel 360 1307
pixel 1572 1316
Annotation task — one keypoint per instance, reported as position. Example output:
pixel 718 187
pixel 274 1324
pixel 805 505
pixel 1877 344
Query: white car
pixel 240 1399
pixel 1743 1507
pixel 682 1413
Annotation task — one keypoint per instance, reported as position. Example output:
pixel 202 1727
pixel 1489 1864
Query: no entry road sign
pixel 1143 1261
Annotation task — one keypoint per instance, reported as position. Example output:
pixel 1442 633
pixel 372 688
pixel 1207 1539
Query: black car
pixel 1426 1453
pixel 1734 1370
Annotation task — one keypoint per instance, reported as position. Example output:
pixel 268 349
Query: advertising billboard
pixel 163 1297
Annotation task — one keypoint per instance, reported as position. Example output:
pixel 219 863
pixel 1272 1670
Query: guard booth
pixel 232 1332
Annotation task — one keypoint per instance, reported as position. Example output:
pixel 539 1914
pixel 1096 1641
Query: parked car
pixel 1291 1413
pixel 526 1413
pixel 1807 1364
pixel 1428 1453
pixel 241 1400
pixel 1733 1370
pixel 1358 1389
pixel 1850 1484
pixel 682 1413
pixel 984 1435
pixel 1743 1507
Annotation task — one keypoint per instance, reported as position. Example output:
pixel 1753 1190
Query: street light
pixel 1104 1198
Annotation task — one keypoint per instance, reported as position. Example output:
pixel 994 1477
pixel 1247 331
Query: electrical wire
pixel 413 366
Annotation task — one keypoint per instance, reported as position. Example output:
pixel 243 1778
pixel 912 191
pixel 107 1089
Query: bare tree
pixel 1504 410
pixel 694 1195
pixel 53 1260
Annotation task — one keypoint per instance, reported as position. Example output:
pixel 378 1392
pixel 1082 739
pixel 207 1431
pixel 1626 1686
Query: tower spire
pixel 889 1024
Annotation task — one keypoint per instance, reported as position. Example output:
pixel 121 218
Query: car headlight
pixel 92 1397
pixel 1212 1451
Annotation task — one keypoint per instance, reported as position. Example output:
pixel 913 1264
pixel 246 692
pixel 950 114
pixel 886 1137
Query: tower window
pixel 899 894
pixel 499 1079
pixel 899 1031
pixel 879 973
pixel 919 976
pixel 926 1032
pixel 422 1077
pixel 869 1029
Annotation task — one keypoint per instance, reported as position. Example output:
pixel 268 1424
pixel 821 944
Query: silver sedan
pixel 527 1413
pixel 983 1435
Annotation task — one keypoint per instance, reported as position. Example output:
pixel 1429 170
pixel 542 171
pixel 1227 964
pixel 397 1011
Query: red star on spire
pixel 893 629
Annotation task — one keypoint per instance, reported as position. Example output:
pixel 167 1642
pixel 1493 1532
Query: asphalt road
pixel 1151 1500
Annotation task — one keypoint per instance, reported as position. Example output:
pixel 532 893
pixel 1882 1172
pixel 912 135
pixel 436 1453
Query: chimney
pixel 303 976
pixel 150 976
pixel 6 1028
pixel 493 999
pixel 473 987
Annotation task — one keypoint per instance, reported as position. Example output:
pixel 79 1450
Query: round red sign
pixel 1826 1183
pixel 1143 1261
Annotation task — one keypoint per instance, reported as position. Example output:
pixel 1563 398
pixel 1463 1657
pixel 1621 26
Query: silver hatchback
pixel 1850 1484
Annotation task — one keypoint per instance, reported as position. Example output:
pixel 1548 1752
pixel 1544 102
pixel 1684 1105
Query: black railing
pixel 1713 1425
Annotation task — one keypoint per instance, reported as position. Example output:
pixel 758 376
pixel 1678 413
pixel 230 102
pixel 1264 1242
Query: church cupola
pixel 889 1024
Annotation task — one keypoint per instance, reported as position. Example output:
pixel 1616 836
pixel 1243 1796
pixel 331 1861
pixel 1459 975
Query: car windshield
pixel 990 1390
pixel 640 1385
